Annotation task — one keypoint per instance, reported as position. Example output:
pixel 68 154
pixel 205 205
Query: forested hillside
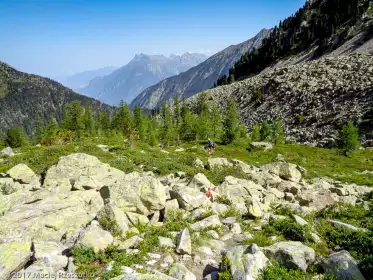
pixel 25 97
pixel 319 27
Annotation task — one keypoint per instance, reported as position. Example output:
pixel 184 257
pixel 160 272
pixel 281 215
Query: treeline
pixel 312 25
pixel 174 123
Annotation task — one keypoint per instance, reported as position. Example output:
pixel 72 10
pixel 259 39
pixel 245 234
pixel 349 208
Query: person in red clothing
pixel 209 193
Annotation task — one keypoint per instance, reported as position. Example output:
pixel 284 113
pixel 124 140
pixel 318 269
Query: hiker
pixel 211 146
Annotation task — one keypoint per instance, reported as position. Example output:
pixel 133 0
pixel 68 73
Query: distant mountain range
pixel 82 79
pixel 24 96
pixel 141 72
pixel 197 78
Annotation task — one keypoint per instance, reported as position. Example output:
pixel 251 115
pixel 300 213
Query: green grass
pixel 319 162
pixel 2 91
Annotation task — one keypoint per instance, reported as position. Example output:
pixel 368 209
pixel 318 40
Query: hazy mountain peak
pixel 142 71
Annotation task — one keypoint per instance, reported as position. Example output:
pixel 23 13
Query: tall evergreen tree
pixel 203 125
pixel 255 133
pixel 231 122
pixel 168 133
pixel 152 132
pixel 278 134
pixel 216 122
pixel 73 116
pixel 88 119
pixel 139 121
pixel 188 127
pixel 39 130
pixel 349 138
pixel 16 137
pixel 265 131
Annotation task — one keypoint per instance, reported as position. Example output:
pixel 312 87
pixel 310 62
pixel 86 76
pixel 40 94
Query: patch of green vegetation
pixel 278 272
pixel 2 91
pixel 358 243
pixel 231 212
pixel 217 175
pixel 287 228
pixel 225 269
pixel 224 200
pixel 259 238
pixel 205 215
pixel 110 225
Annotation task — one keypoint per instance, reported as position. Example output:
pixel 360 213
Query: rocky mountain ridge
pixel 80 201
pixel 313 99
pixel 197 78
pixel 24 97
pixel 141 72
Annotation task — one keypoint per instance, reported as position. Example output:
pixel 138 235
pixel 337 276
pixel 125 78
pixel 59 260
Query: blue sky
pixel 61 37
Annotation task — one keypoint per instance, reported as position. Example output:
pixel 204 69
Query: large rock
pixel 22 173
pixel 255 209
pixel 7 152
pixel 212 221
pixel 179 271
pixel 143 195
pixel 200 182
pixel 261 146
pixel 53 218
pixel 137 219
pixel 247 262
pixel 189 198
pixel 95 237
pixel 184 242
pixel 218 163
pixel 110 213
pixel 50 254
pixel 284 170
pixel 170 208
pixel 342 266
pixel 244 166
pixel 81 171
pixel 315 199
pixel 197 163
pixel 292 254
pixel 13 257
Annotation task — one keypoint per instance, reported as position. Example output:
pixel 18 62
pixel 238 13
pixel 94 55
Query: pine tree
pixel 152 132
pixel 39 130
pixel 50 131
pixel 216 122
pixel 16 137
pixel 73 116
pixel 278 134
pixel 104 121
pixel 349 138
pixel 139 122
pixel 265 131
pixel 88 119
pixel 188 128
pixel 231 122
pixel 167 133
pixel 122 119
pixel 231 79
pixel 255 133
pixel 203 125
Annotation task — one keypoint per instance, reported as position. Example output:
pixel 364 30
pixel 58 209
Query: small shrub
pixel 299 119
pixel 277 272
pixel 225 268
pixel 288 228
pixel 260 239
pixel 224 200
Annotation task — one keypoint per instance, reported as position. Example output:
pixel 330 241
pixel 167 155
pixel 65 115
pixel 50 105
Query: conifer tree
pixel 104 121
pixel 16 137
pixel 167 133
pixel 349 138
pixel 50 131
pixel 231 122
pixel 152 132
pixel 255 133
pixel 265 131
pixel 187 129
pixel 139 122
pixel 203 125
pixel 39 130
pixel 88 119
pixel 216 122
pixel 73 116
pixel 278 134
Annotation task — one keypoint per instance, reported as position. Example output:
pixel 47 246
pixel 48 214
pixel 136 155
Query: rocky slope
pixel 82 79
pixel 141 72
pixel 198 78
pixel 24 96
pixel 80 201
pixel 313 99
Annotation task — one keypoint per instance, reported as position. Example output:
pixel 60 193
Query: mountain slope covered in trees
pixel 197 78
pixel 25 97
pixel 316 29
